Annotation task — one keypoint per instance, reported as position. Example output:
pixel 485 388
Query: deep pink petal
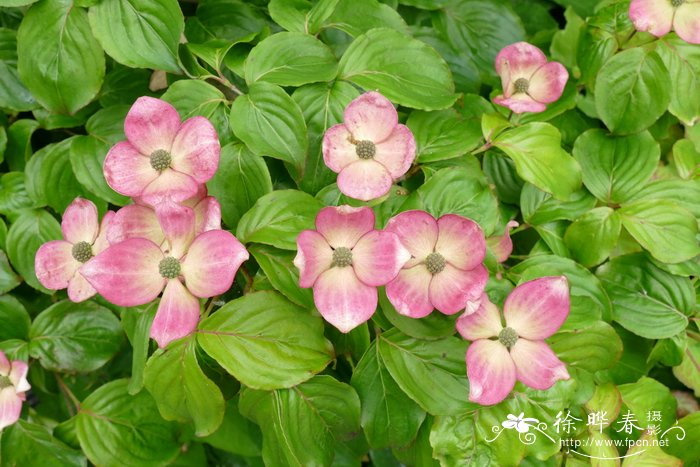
pixel 520 103
pixel 207 215
pixel 80 223
pixel 482 323
pixel 314 256
pixel 170 185
pixel 177 222
pixel 653 16
pixel 536 309
pixel 417 230
pixel 536 365
pixel 452 288
pixel 364 180
pixel 343 300
pixel 177 314
pixel 196 149
pixel 102 240
pixel 490 371
pixel 338 151
pixel 344 225
pixel 18 376
pixel 460 241
pixel 128 171
pixel 370 117
pixel 10 407
pixel 519 60
pixel 79 289
pixel 5 366
pixel 397 152
pixel 127 273
pixel 211 263
pixel 54 264
pixel 378 256
pixel 409 292
pixel 686 22
pixel 547 84
pixel 135 221
pixel 502 245
pixel 151 124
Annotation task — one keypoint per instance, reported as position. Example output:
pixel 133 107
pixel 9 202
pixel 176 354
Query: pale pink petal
pixel 207 215
pixel 196 149
pixel 79 289
pixel 5 365
pixel 343 300
pixel 344 225
pixel 169 185
pixel 80 223
pixel 370 117
pixel 519 60
pixel 686 22
pixel 102 240
pixel 128 171
pixel 397 152
pixel 151 124
pixel 54 264
pixel 127 273
pixel 18 376
pixel 409 292
pixel 452 288
pixel 314 256
pixel 482 323
pixel 417 230
pixel 536 309
pixel 177 314
pixel 502 245
pixel 211 263
pixel 536 365
pixel 338 150
pixel 197 197
pixel 177 222
pixel 364 180
pixel 547 84
pixel 653 16
pixel 490 371
pixel 135 221
pixel 460 241
pixel 10 407
pixel 520 103
pixel 378 256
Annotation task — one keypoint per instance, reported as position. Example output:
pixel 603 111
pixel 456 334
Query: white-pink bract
pixel 659 17
pixel 13 386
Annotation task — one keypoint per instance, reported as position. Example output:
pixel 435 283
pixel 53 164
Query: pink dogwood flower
pixel 445 270
pixel 529 81
pixel 185 268
pixel 502 245
pixel 57 262
pixel 370 149
pixel 345 259
pixel 501 355
pixel 659 17
pixel 13 386
pixel 162 158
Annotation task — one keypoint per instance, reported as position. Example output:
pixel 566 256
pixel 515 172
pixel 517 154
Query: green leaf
pixel 270 123
pixel 688 448
pixel 682 60
pixel 265 341
pixel 236 434
pixel 686 158
pixel 13 94
pixel 432 373
pixel 300 424
pixel 8 279
pixel 54 45
pixel 78 337
pixel 277 219
pixel 181 390
pixel 539 159
pixel 646 395
pixel 632 90
pixel 107 124
pixel 389 417
pixel 283 275
pixel 15 319
pixel 594 348
pixel 682 192
pixel 87 155
pixel 434 326
pixel 136 322
pixel 192 97
pixel 405 70
pixel 665 229
pixel 139 33
pixel 231 20
pixel 13 194
pixel 539 207
pixel 358 16
pixel 28 444
pixel 592 237
pixel 454 442
pixel 688 372
pixel 615 168
pixel 19 145
pixel 26 235
pixel 646 300
pixel 131 432
pixel 443 134
pixel 301 15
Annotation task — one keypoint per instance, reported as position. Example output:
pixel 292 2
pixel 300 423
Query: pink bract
pixel 13 386
pixel 659 17
pixel 57 262
pixel 533 312
pixel 445 270
pixel 502 245
pixel 162 158
pixel 529 81
pixel 345 259
pixel 370 149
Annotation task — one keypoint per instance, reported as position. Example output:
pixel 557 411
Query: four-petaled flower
pixel 345 259
pixel 445 270
pixel 533 311
pixel 13 386
pixel 659 17
pixel 370 149
pixel 529 81
pixel 520 423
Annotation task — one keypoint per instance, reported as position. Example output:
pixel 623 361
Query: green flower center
pixel 342 257
pixel 82 251
pixel 5 382
pixel 169 267
pixel 435 263
pixel 521 85
pixel 677 3
pixel 160 160
pixel 365 149
pixel 508 337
